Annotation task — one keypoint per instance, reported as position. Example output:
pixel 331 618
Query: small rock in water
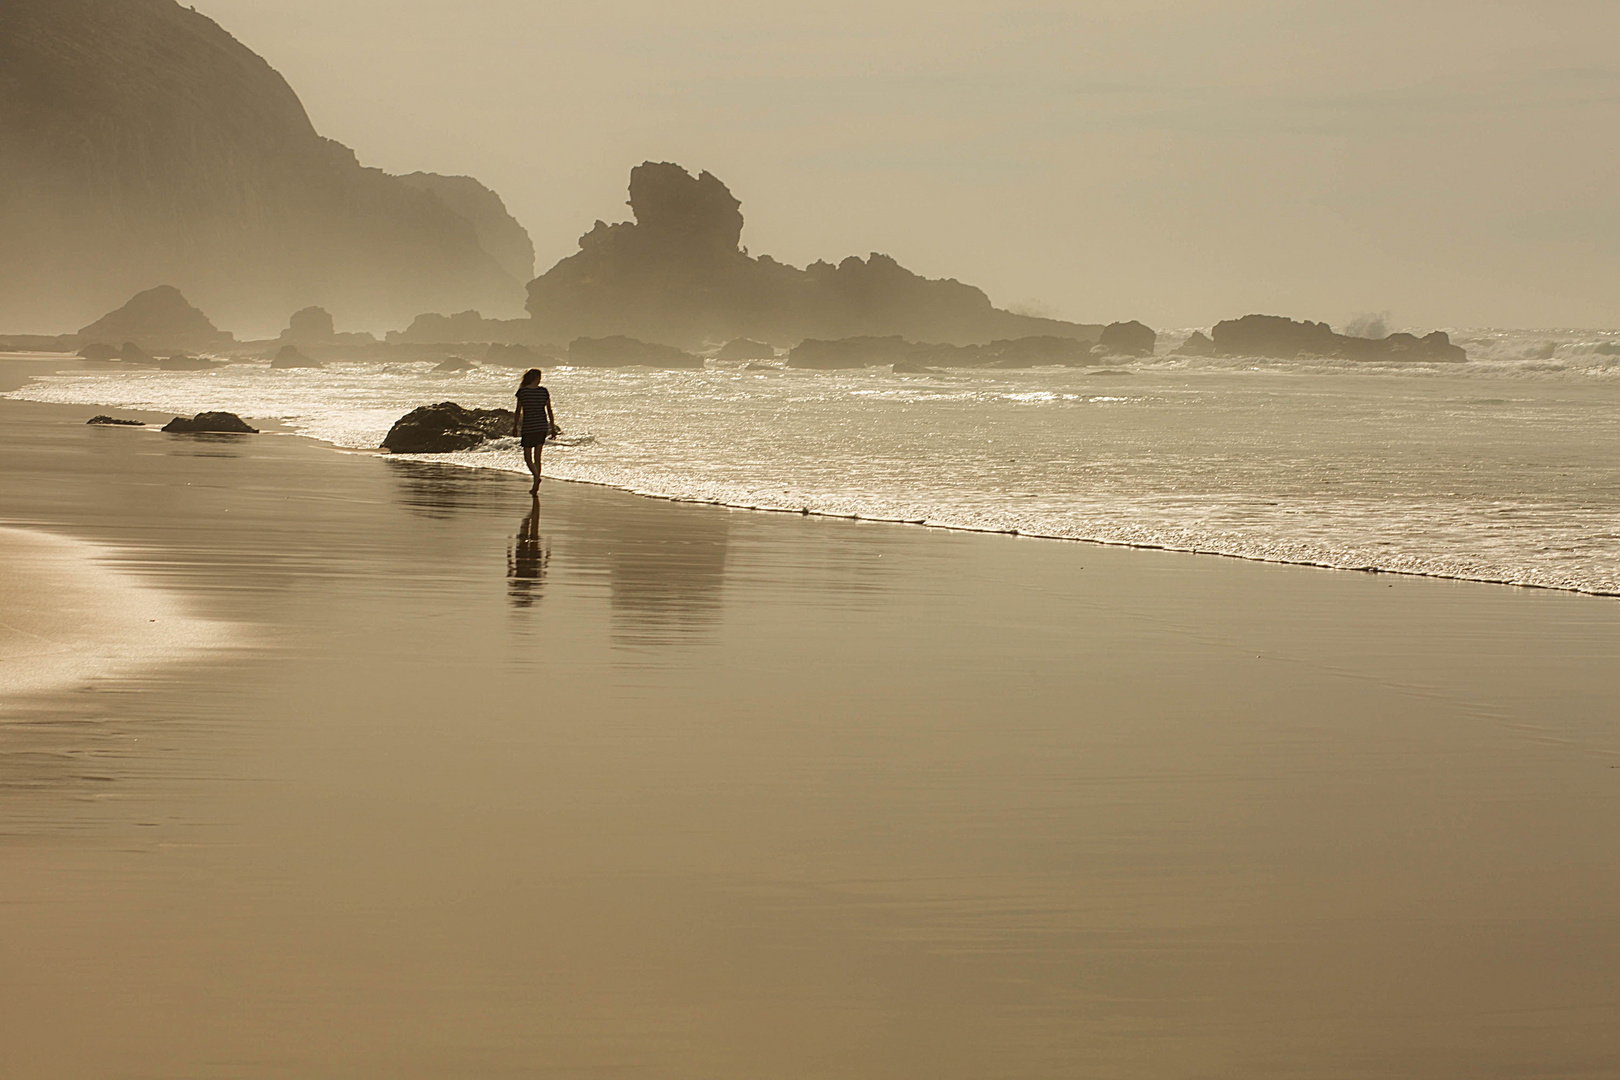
pixel 181 362
pixel 222 423
pixel 452 364
pixel 115 421
pixel 290 357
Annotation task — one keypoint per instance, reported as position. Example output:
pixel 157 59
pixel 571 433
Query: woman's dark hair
pixel 532 376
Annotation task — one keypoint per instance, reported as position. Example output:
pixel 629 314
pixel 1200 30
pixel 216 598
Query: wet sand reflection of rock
pixel 442 491
pixel 665 565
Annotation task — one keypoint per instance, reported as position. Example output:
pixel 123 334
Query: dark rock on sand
pixel 114 421
pixel 745 349
pixel 1128 339
pixel 223 423
pixel 851 352
pixel 620 351
pixel 450 365
pixel 289 357
pixel 446 428
pixel 1280 338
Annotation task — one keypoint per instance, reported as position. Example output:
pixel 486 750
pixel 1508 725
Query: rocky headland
pixel 678 275
pixel 498 231
pixel 141 143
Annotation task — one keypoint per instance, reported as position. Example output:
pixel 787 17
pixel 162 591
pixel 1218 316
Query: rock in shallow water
pixel 446 428
pixel 222 423
pixel 113 421
pixel 289 358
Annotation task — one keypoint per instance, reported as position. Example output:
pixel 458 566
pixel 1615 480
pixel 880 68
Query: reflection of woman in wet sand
pixel 534 422
pixel 526 559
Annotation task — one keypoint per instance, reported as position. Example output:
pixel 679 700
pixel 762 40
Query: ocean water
pixel 1505 469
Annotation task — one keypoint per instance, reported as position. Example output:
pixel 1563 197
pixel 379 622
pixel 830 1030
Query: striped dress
pixel 536 422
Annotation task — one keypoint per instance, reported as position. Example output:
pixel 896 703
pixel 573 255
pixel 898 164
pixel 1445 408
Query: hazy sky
pixel 1177 161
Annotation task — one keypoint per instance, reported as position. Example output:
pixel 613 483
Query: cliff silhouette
pixel 678 275
pixel 141 144
pixel 498 231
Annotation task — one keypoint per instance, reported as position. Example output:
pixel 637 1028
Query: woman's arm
pixel 517 420
pixel 551 414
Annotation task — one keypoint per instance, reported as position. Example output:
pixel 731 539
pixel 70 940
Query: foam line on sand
pixel 71 615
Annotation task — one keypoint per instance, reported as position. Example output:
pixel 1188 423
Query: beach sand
pixel 631 788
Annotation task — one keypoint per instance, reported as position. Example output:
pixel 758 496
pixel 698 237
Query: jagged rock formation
pixel 446 428
pixel 210 423
pixel 141 143
pixel 677 275
pixel 310 326
pixel 620 351
pixel 1197 344
pixel 1281 338
pixel 498 231
pixel 157 320
pixel 313 328
pixel 1128 339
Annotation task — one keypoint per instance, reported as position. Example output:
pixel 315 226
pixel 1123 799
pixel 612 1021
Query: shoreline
pixel 279 427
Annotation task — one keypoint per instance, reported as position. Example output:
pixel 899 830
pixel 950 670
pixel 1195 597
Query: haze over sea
pixel 1503 469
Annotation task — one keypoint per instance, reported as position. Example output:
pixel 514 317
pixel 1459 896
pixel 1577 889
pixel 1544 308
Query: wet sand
pixel 629 788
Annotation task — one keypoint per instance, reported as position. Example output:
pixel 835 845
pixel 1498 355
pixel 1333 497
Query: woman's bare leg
pixel 531 458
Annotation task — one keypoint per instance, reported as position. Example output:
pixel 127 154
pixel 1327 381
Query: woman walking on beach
pixel 535 422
